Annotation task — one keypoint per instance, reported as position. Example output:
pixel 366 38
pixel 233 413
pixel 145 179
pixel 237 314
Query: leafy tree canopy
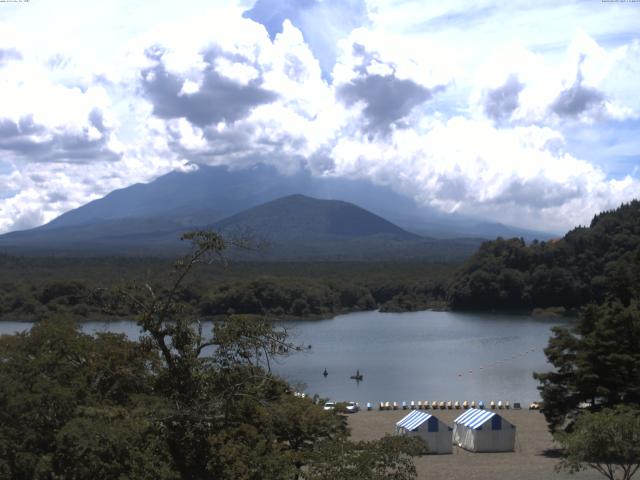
pixel 607 441
pixel 178 404
pixel 596 363
pixel 587 265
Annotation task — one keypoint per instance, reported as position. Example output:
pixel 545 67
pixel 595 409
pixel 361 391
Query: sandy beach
pixel 532 459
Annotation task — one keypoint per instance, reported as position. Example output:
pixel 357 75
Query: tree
pixel 179 404
pixel 607 441
pixel 597 363
pixel 386 459
pixel 52 374
pixel 230 417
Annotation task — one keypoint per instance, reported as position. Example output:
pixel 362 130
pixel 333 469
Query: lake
pixel 406 356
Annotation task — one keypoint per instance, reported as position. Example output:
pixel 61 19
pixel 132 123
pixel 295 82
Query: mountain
pixel 147 218
pixel 299 217
pixel 295 227
pixel 209 194
pixel 298 226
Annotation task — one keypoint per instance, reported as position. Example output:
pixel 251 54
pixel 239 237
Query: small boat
pixel 357 376
pixel 325 373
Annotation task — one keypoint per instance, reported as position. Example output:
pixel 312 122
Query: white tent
pixel 436 433
pixel 483 431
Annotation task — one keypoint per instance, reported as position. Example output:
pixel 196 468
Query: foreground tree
pixel 58 388
pixel 179 404
pixel 597 363
pixel 389 458
pixel 607 441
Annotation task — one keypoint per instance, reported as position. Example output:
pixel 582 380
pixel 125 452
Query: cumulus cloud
pixel 578 100
pixel 249 100
pixel 407 110
pixel 519 86
pixel 376 76
pixel 386 98
pixel 323 23
pixel 474 167
pixel 500 103
pixel 9 54
pixel 217 98
pixel 29 141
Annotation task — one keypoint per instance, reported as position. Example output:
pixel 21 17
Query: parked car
pixel 329 406
pixel 352 407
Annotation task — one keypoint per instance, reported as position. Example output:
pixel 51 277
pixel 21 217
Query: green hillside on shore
pixel 586 265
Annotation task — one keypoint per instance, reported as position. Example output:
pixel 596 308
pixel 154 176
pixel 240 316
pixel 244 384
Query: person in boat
pixel 325 373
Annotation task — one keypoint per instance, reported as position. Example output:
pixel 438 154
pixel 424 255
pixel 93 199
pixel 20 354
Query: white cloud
pixel 522 87
pixel 468 118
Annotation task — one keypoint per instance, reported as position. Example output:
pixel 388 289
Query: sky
pixel 525 113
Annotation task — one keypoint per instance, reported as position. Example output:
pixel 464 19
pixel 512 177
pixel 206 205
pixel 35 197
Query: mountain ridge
pixel 295 227
pixel 209 194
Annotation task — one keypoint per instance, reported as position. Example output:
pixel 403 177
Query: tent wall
pixel 489 440
pixel 437 442
pixel 436 433
pixel 484 438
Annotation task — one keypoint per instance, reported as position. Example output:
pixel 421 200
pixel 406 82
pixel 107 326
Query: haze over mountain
pixel 208 194
pixel 294 227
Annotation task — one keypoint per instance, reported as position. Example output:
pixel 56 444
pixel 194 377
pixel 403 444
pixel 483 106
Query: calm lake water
pixel 406 356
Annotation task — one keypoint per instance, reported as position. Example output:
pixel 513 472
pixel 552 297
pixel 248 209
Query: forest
pixel 584 266
pixel 87 407
pixel 79 406
pixel 42 287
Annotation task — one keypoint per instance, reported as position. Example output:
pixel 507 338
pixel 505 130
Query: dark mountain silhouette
pixel 309 219
pixel 147 218
pixel 295 227
pixel 209 194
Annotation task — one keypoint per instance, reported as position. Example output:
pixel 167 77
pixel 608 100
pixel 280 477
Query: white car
pixel 352 407
pixel 329 406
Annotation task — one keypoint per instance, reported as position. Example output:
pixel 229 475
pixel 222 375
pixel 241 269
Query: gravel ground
pixel 531 459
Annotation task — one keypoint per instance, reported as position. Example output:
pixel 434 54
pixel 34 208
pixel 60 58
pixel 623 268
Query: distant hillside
pixel 209 194
pixel 301 227
pixel 295 227
pixel 586 265
pixel 298 227
pixel 310 219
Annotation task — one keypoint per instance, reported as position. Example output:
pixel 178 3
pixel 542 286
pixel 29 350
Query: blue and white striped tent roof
pixel 474 418
pixel 412 421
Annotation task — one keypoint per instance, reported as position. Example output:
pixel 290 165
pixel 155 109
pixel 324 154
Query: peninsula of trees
pixel 584 266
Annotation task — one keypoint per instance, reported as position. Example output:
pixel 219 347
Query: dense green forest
pixel 40 287
pixel 84 407
pixel 586 265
